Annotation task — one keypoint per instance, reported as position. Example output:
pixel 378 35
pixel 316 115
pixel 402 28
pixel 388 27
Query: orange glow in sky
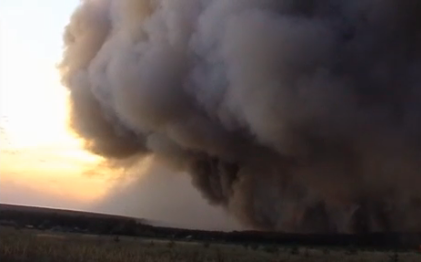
pixel 38 153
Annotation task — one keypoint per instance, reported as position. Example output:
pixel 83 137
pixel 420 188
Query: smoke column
pixel 292 115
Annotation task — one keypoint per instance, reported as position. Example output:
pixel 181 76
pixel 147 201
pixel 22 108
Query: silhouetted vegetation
pixel 81 222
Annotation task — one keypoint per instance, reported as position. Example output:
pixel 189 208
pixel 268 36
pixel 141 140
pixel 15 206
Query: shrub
pixel 271 249
pixel 171 244
pixel 254 246
pixel 294 251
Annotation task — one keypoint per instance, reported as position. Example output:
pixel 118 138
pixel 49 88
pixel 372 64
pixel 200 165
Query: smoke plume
pixel 293 115
pixel 163 198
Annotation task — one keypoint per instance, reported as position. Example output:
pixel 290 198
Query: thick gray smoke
pixel 294 115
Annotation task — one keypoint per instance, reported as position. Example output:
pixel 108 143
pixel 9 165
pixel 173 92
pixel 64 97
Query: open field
pixel 40 234
pixel 35 246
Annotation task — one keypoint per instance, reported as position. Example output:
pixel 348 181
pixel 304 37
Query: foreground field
pixel 37 246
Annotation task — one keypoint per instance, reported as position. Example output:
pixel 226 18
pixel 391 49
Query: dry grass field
pixel 38 246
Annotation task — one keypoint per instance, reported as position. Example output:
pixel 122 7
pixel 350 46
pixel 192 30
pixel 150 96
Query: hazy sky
pixel 40 162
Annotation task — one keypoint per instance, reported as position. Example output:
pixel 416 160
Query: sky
pixel 41 161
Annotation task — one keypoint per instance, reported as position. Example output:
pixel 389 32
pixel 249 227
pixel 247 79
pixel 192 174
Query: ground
pixel 30 245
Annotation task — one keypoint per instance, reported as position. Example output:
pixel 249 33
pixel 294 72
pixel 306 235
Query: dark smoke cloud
pixel 301 116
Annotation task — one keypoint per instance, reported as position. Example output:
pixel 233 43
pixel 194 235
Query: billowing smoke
pixel 293 115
